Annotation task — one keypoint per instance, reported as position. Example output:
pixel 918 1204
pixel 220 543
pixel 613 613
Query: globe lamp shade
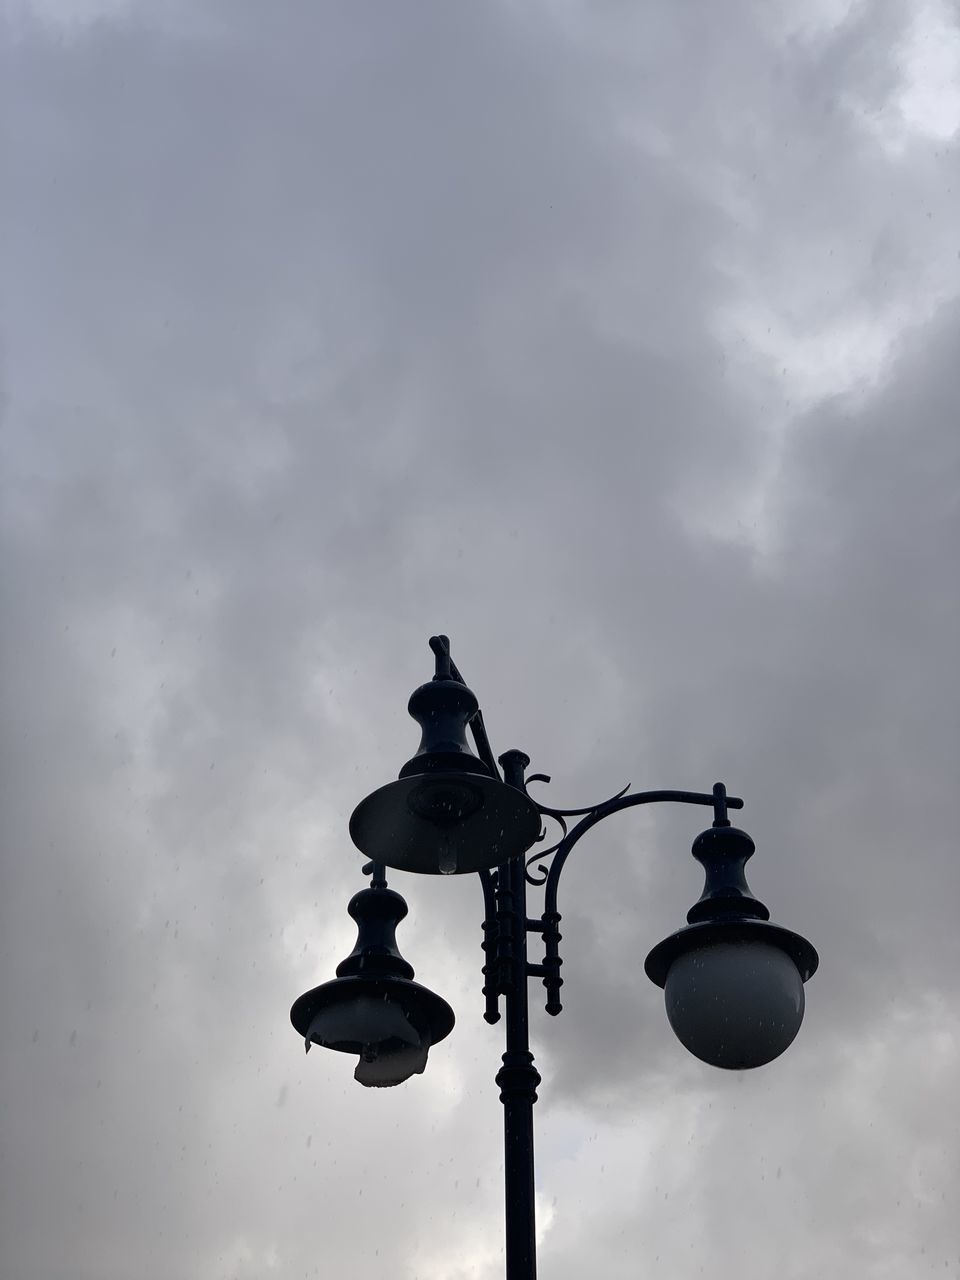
pixel 733 988
pixel 736 1004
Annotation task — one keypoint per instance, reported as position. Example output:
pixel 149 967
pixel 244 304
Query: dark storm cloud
pixel 327 328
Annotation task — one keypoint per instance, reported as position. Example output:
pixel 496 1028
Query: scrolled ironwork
pixel 614 805
pixel 539 857
pixel 571 813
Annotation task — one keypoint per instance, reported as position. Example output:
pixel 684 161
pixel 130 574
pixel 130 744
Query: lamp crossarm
pixel 498 927
pixel 591 817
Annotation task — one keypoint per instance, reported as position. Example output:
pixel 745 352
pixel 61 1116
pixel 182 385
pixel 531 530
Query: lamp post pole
pixel 518 1077
pixel 732 980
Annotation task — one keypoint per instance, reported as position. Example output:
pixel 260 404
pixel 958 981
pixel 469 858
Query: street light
pixel 732 981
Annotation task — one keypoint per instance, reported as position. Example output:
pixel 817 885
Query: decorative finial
pixel 720 818
pixel 441 647
pixel 379 873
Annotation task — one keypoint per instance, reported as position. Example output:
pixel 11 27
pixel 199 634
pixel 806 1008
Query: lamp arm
pixel 614 805
pixel 549 924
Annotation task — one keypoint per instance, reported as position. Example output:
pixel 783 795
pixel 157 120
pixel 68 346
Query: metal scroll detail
pixel 539 876
pixel 539 858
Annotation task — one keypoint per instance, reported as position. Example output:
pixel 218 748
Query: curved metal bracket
pixel 570 813
pixel 549 925
pixel 614 805
pixel 540 875
pixel 559 816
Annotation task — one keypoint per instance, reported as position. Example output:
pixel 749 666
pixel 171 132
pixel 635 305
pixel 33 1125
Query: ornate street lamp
pixel 732 981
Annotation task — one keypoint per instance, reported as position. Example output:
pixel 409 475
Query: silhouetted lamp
pixel 733 982
pixel 447 813
pixel 373 1008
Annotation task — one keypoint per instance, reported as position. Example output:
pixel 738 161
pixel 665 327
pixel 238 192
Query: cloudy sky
pixel 620 343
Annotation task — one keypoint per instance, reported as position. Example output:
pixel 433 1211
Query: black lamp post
pixel 733 982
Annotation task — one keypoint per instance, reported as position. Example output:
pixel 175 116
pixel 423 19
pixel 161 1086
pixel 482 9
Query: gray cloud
pixel 618 345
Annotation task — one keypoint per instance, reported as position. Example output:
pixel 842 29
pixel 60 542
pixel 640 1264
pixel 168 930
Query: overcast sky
pixel 620 343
